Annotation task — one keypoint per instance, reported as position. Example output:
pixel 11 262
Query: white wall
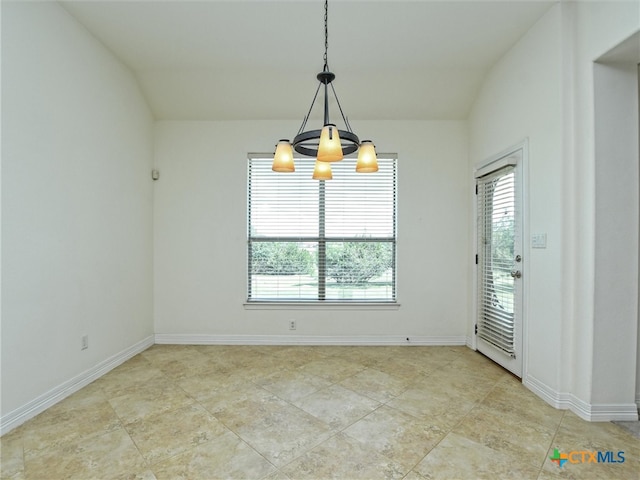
pixel 616 243
pixel 200 236
pixel 543 89
pixel 522 98
pixel 598 27
pixel 76 205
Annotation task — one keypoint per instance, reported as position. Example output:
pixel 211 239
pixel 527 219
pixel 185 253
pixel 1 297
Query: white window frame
pixel 320 302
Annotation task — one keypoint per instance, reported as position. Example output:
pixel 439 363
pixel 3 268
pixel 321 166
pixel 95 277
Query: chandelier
pixel 328 144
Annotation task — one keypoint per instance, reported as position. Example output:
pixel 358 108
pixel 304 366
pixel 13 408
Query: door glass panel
pixel 496 323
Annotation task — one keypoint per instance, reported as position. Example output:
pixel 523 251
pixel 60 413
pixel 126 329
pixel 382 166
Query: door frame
pixel 487 164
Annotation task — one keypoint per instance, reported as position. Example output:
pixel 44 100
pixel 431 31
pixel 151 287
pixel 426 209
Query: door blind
pixel 496 237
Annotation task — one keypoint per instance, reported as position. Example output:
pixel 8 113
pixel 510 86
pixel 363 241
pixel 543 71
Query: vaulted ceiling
pixel 257 59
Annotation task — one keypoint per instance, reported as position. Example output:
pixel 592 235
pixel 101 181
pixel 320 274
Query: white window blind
pixel 496 224
pixel 311 240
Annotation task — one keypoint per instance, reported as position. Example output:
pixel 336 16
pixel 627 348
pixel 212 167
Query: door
pixel 500 262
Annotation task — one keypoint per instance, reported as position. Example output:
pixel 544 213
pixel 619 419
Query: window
pixel 318 241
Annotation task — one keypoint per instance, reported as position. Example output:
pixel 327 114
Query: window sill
pixel 326 305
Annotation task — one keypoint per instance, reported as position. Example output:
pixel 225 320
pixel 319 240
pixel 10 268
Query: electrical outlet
pixel 292 324
pixel 85 342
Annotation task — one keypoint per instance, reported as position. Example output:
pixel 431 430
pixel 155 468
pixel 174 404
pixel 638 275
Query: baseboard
pixel 546 393
pixel 623 412
pixel 20 415
pixel 206 339
pixel 589 412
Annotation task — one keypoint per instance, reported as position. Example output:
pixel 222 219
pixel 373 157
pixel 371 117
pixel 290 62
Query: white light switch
pixel 539 240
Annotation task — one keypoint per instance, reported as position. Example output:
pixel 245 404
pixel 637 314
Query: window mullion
pixel 322 244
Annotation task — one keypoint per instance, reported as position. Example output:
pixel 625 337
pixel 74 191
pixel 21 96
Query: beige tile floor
pixel 258 412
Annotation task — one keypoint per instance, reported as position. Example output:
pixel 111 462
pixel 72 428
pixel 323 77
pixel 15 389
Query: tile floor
pixel 259 412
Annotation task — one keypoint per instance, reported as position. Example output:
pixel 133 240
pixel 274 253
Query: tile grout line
pixel 552 442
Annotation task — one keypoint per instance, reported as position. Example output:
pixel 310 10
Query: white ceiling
pixel 243 59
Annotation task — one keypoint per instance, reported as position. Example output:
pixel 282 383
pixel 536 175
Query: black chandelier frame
pixel 306 142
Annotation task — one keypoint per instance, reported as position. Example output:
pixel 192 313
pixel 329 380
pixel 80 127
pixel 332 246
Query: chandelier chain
pixel 307 142
pixel 326 34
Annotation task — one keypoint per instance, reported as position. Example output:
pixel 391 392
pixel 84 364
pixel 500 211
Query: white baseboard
pixel 625 412
pixel 20 415
pixel 206 339
pixel 546 393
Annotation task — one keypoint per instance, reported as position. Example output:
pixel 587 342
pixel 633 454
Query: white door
pixel 500 262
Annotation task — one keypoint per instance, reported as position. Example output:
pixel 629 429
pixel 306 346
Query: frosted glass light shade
pixel 283 158
pixel 329 147
pixel 367 160
pixel 322 171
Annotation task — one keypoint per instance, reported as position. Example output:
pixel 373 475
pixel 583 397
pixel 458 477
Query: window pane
pixel 360 204
pixel 359 270
pixel 283 270
pixel 282 204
